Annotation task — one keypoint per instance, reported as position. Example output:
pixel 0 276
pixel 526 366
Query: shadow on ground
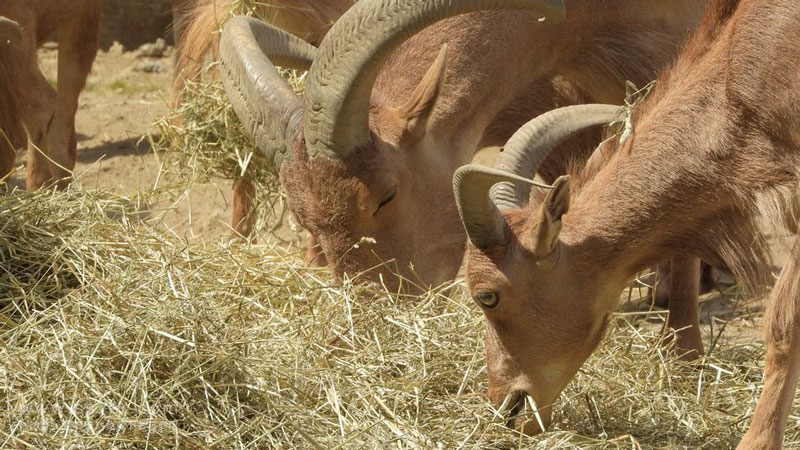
pixel 137 145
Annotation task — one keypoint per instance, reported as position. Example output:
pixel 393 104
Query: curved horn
pixel 481 192
pixel 351 56
pixel 527 149
pixel 10 30
pixel 484 224
pixel 266 105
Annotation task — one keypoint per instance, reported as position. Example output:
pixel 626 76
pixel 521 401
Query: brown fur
pixel 181 17
pixel 714 150
pixel 482 100
pixel 27 101
pixel 197 24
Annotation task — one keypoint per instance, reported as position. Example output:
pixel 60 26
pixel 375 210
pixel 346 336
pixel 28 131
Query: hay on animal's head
pixel 203 140
pixel 118 334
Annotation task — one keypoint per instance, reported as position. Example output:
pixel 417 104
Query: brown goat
pixel 30 109
pixel 715 149
pixel 386 122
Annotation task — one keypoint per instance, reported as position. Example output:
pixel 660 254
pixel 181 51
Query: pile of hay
pixel 116 334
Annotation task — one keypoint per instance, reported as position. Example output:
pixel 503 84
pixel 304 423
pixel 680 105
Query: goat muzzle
pixel 522 414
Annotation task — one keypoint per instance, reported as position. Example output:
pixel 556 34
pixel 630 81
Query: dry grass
pixel 118 335
pixel 203 140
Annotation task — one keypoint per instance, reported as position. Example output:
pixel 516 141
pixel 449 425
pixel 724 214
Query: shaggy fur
pixel 197 24
pixel 27 101
pixel 715 150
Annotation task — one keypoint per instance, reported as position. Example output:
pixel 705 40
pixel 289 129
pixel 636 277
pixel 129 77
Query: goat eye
pixel 488 299
pixel 386 201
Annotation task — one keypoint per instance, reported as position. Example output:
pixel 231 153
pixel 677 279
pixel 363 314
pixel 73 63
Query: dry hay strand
pixel 204 140
pixel 118 335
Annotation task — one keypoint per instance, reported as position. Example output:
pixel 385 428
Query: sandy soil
pixel 117 110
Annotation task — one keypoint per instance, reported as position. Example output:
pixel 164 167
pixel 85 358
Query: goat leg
pixel 684 285
pixel 314 254
pixel 78 40
pixel 782 325
pixel 243 218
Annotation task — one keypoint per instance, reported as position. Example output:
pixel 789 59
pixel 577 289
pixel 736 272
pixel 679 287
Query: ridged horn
pixel 268 108
pixel 481 192
pixel 527 149
pixel 10 31
pixel 482 220
pixel 352 54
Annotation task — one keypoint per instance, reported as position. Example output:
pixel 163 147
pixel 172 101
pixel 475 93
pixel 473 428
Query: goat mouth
pixel 522 414
pixel 513 408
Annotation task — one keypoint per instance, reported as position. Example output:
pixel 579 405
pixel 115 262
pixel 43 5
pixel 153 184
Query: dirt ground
pixel 117 110
pixel 122 102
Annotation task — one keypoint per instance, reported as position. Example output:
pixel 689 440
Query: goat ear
pixel 556 204
pixel 417 109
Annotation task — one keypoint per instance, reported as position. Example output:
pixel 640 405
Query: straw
pixel 117 334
